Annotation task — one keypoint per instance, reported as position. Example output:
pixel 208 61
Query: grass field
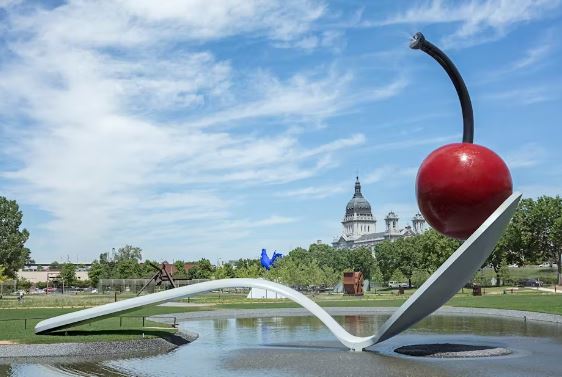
pixel 523 299
pixel 546 275
pixel 13 328
pixel 60 301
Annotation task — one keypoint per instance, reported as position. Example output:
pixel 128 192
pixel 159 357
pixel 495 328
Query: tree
pixel 127 269
pixel 361 260
pixel 180 269
pixel 146 270
pixel 434 248
pixel 386 259
pixel 517 241
pixel 226 271
pixel 420 255
pixel 104 258
pixel 542 226
pixel 98 270
pixel 54 266
pixel 68 273
pixel 244 263
pixel 251 270
pixel 122 264
pixel 13 253
pixel 556 239
pixel 336 259
pixel 128 252
pixel 509 249
pixel 409 257
pixel 202 270
pixel 23 284
pixel 2 276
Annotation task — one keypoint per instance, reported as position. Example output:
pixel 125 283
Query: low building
pixel 46 275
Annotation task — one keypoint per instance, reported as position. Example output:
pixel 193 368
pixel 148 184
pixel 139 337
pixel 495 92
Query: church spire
pixel 357 188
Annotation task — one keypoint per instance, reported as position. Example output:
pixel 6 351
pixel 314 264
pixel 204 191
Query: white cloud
pixel 480 20
pixel 527 156
pixel 408 143
pixel 141 22
pixel 523 96
pixel 314 192
pixel 333 146
pixel 272 220
pixel 531 57
pixel 84 93
pixel 530 61
pixel 300 96
pixel 331 39
pixel 389 173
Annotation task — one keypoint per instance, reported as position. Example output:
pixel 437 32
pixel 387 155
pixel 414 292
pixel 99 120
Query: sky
pixel 215 128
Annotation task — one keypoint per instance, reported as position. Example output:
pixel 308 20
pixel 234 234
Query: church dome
pixel 358 204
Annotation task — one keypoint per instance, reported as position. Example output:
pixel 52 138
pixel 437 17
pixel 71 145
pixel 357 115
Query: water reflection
pixel 302 346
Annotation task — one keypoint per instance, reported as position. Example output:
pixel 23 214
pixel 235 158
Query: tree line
pixel 534 235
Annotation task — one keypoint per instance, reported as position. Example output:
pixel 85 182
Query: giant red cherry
pixel 459 185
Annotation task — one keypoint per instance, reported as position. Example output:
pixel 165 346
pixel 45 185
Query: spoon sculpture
pixel 448 190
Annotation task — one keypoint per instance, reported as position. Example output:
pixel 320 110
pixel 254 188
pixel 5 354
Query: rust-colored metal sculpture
pixel 161 275
pixel 353 283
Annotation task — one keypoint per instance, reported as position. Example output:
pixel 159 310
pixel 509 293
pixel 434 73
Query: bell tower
pixel 418 223
pixel 391 221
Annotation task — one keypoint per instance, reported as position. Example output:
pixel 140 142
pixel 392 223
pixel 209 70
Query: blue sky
pixel 215 128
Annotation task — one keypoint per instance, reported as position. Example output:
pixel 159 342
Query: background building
pixel 360 226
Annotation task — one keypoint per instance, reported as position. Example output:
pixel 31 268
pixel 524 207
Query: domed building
pixel 360 226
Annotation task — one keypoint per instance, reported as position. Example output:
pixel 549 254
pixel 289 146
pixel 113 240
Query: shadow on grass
pixel 166 335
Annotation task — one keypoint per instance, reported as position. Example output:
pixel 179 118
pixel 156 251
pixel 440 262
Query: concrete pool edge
pixel 93 351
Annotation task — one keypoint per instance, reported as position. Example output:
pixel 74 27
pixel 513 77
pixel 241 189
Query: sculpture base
pixel 448 350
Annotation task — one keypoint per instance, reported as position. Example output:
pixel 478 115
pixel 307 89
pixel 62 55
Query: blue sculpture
pixel 266 262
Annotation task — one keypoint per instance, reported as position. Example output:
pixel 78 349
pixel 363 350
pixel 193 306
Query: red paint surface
pixel 459 185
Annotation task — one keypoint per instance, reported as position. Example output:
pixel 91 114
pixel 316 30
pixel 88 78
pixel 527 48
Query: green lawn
pixel 546 275
pixel 129 326
pixel 60 301
pixel 544 303
pixel 527 299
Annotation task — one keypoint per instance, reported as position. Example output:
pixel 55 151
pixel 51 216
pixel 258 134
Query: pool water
pixel 302 346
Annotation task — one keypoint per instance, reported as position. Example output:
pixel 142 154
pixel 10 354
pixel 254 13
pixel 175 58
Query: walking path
pixel 558 289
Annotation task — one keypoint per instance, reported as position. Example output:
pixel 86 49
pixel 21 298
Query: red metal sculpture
pixel 459 185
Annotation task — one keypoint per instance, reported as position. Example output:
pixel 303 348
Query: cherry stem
pixel 420 43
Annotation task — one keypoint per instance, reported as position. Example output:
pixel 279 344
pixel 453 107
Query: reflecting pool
pixel 302 346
